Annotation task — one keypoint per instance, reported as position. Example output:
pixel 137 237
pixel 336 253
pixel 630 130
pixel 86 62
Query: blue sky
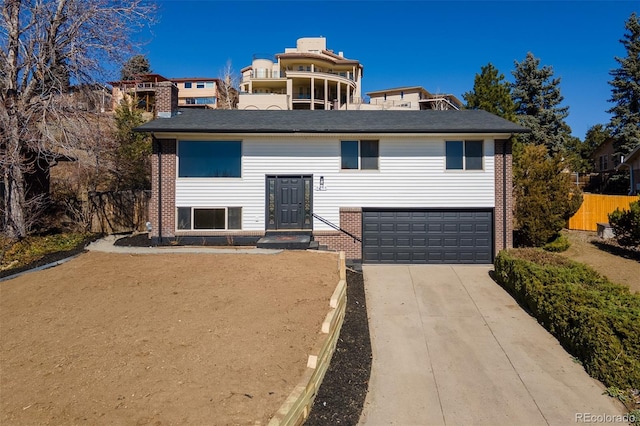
pixel 435 44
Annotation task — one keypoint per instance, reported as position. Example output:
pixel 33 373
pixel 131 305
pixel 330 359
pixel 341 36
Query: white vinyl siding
pixel 411 174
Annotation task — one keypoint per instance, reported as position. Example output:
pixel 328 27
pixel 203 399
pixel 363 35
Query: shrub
pixel 596 321
pixel 561 243
pixel 546 196
pixel 626 225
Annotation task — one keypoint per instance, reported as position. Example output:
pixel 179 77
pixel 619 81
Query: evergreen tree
pixel 491 93
pixel 135 66
pixel 546 195
pixel 625 123
pixel 537 98
pixel 132 165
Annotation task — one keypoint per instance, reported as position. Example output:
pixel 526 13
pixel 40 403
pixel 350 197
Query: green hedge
pixel 596 321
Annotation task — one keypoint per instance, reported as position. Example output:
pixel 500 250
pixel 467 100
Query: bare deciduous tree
pixel 45 44
pixel 228 88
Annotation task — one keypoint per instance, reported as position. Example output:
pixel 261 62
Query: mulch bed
pixel 135 240
pixel 344 388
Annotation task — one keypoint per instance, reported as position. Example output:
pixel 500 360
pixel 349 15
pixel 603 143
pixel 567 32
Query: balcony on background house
pixel 146 86
pixel 389 103
pixel 307 73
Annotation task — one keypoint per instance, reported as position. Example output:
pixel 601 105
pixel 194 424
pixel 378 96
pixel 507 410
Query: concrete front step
pixel 285 240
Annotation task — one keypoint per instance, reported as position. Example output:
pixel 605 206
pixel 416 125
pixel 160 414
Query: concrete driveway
pixel 451 347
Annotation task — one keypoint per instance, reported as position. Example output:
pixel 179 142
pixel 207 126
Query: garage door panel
pixel 484 228
pixel 451 228
pixel 387 242
pixel 403 242
pixel 403 227
pixel 451 242
pixel 468 228
pixel 371 227
pixel 427 236
pixel 435 242
pixel 466 242
pixel 435 227
pixel 418 227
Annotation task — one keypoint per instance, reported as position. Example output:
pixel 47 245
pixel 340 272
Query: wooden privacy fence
pixel 123 211
pixel 596 208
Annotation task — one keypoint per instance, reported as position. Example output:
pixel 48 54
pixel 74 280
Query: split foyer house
pixel 384 186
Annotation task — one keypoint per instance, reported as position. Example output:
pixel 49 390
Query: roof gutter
pixel 327 131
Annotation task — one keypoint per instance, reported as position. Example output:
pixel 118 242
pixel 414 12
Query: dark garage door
pixel 427 236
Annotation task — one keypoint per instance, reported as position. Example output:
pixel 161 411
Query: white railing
pixel 390 103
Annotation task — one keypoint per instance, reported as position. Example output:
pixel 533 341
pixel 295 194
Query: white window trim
pixel 360 169
pixel 464 156
pixel 226 218
pixel 193 179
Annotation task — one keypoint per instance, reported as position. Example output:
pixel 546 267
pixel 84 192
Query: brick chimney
pixel 166 99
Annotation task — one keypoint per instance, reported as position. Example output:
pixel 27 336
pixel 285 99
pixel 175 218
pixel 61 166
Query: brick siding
pixel 500 208
pixel 166 99
pixel 350 221
pixel 168 155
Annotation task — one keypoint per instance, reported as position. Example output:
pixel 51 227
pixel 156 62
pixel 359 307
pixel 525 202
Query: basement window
pixel 197 218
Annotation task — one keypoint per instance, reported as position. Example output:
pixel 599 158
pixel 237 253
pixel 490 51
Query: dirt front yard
pixel 160 339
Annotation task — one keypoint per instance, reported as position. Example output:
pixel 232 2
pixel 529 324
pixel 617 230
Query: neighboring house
pixel 604 158
pixel 195 92
pixel 411 98
pixel 305 77
pixel 408 187
pixel 632 162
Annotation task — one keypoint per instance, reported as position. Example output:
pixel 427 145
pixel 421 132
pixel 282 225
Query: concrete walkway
pixel 106 245
pixel 451 347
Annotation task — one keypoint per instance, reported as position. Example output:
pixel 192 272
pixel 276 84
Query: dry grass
pixel 584 248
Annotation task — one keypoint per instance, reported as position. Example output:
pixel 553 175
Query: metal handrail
pixel 336 227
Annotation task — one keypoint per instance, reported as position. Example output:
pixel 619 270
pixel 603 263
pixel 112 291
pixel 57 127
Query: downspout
pixel 504 194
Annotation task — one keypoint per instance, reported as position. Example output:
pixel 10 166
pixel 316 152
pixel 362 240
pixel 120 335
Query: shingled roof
pixel 331 121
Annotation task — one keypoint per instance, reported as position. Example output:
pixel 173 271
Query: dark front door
pixel 289 202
